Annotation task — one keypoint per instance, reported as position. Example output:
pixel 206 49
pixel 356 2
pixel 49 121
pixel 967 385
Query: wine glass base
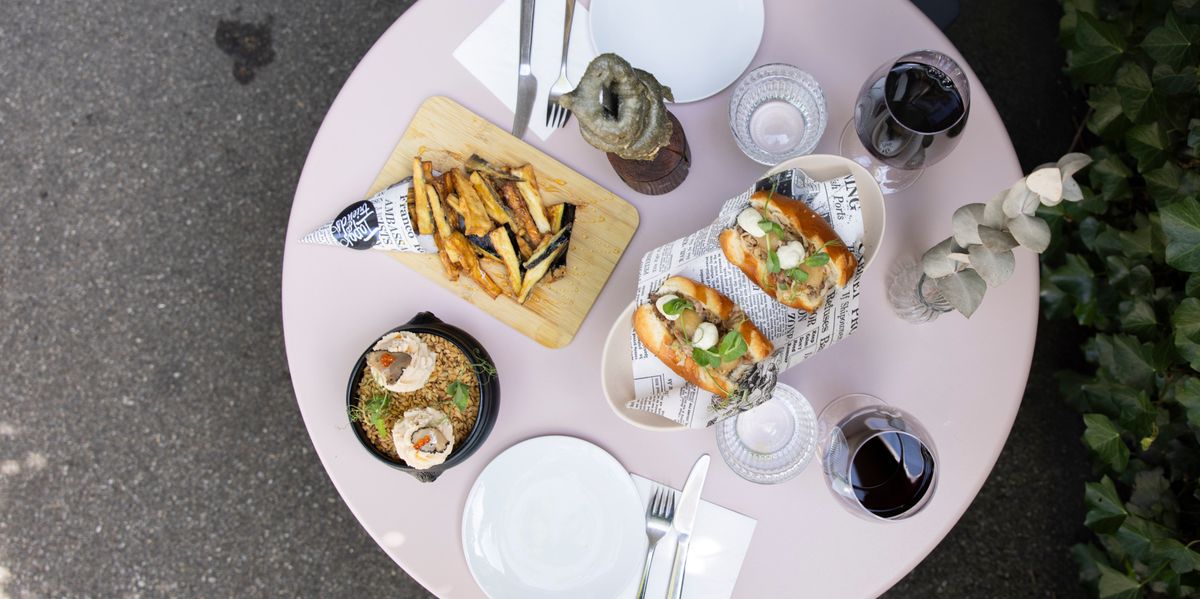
pixel 772 442
pixel 890 179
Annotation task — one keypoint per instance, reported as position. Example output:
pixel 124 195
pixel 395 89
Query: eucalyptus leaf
pixel 966 221
pixel 1047 183
pixel 994 267
pixel 960 257
pixel 936 262
pixel 964 290
pixel 996 240
pixel 993 212
pixel 1030 231
pixel 1071 191
pixel 1020 200
pixel 1072 163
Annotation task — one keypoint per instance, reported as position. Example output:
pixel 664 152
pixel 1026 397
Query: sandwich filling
pixel 714 343
pixel 796 267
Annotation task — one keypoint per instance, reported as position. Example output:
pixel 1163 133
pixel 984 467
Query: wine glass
pixel 910 114
pixel 877 459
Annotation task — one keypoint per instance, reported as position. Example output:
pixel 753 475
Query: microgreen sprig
pixel 675 307
pixel 372 410
pixel 731 347
pixel 460 394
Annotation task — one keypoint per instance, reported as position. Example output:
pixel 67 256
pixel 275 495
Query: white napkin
pixel 492 51
pixel 719 543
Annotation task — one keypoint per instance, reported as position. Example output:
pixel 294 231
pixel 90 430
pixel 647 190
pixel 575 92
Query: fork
pixel 659 514
pixel 557 116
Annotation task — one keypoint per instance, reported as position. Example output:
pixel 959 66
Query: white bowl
pixel 616 361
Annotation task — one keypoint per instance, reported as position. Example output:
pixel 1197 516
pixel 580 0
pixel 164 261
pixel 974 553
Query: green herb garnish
pixel 798 274
pixel 676 306
pixel 460 394
pixel 770 226
pixel 731 347
pixel 772 260
pixel 482 366
pixel 372 410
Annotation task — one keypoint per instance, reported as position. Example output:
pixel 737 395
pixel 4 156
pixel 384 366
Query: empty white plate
pixel 616 360
pixel 695 47
pixel 554 517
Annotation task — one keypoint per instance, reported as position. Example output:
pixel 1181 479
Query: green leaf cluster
pixel 1125 264
pixel 731 347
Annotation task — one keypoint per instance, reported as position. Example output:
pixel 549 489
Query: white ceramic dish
pixel 616 368
pixel 554 517
pixel 695 47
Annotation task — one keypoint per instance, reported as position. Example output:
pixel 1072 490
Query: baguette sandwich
pixel 700 334
pixel 788 250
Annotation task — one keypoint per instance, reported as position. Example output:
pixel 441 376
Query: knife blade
pixel 526 82
pixel 684 523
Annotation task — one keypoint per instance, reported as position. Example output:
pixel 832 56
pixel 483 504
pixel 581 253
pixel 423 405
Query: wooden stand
pixel 664 172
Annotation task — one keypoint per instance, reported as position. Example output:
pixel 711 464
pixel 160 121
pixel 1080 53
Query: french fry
pixel 533 198
pixel 534 275
pixel 424 224
pixel 520 214
pixel 470 264
pixel 502 240
pixel 454 202
pixel 523 248
pixel 473 211
pixel 444 257
pixel 491 203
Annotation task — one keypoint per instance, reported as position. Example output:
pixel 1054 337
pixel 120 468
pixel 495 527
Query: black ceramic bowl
pixel 489 396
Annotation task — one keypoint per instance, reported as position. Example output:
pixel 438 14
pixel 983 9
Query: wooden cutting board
pixel 445 133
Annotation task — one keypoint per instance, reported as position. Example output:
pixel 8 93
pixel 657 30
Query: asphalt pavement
pixel 150 443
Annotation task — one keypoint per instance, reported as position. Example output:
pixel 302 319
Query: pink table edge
pixel 982 109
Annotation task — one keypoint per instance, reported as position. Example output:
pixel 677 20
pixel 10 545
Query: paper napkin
pixel 491 53
pixel 719 543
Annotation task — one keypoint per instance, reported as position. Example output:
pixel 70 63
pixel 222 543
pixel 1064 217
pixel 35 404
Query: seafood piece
pixel 401 362
pixel 424 437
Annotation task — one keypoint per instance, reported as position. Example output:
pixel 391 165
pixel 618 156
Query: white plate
pixel 616 361
pixel 554 517
pixel 695 47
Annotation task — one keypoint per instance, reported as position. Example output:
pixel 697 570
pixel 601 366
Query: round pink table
pixel 963 379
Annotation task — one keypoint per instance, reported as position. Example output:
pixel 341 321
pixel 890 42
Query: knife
pixel 685 520
pixel 526 82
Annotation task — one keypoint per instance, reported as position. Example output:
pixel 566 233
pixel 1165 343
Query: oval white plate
pixel 554 517
pixel 695 47
pixel 616 367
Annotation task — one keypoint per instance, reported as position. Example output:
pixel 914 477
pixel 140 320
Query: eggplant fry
pixel 483 247
pixel 424 223
pixel 563 216
pixel 534 275
pixel 473 211
pixel 502 241
pixel 491 202
pixel 549 246
pixel 470 264
pixel 478 164
pixel 521 213
pixel 533 198
pixel 439 216
pixel 444 257
pixel 523 248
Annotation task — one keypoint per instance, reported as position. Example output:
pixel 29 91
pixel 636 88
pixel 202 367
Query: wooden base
pixel 664 172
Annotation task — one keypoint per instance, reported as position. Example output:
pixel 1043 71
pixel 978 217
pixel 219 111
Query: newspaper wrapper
pixel 796 335
pixel 380 222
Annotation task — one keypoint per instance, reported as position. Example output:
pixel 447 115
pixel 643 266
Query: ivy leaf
pixel 1075 278
pixel 1172 82
pixel 1137 317
pixel 1102 437
pixel 1131 408
pixel 1147 143
pixel 1186 323
pixel 1186 393
pixel 1105 512
pixel 1181 224
pixel 1127 359
pixel 1169 184
pixel 1098 50
pixel 1193 137
pixel 1137 93
pixel 1110 176
pixel 964 290
pixel 1108 117
pixel 1169 44
pixel 1115 585
pixel 1192 288
pixel 1151 497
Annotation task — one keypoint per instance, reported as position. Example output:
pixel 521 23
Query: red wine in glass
pixel 910 114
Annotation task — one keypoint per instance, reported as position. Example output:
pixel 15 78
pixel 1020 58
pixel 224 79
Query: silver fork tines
pixel 659 515
pixel 557 116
